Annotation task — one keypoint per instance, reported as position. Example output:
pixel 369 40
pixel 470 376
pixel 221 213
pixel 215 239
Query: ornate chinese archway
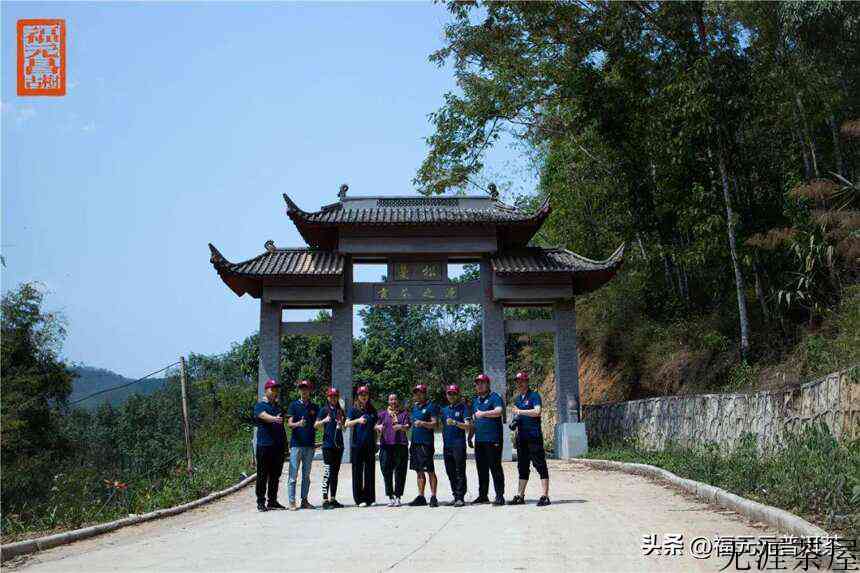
pixel 417 237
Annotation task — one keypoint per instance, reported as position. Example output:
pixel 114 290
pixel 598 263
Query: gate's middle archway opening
pixel 400 345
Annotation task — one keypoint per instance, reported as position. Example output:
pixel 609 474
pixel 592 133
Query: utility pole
pixel 185 422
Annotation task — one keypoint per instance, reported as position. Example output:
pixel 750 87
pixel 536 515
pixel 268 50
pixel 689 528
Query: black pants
pixel 531 450
pixel 363 478
pixel 331 468
pixel 270 464
pixel 488 458
pixel 455 467
pixel 393 459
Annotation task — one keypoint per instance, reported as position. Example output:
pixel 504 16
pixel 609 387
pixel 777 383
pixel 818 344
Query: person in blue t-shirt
pixel 530 449
pixel 269 420
pixel 456 421
pixel 486 427
pixel 303 416
pixel 362 419
pixel 421 451
pixel 332 418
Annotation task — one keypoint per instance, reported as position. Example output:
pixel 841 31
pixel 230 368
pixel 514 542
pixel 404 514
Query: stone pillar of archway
pixel 570 437
pixel 493 349
pixel 270 345
pixel 341 347
pixel 269 342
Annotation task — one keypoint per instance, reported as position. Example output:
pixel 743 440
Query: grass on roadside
pixel 812 475
pixel 82 498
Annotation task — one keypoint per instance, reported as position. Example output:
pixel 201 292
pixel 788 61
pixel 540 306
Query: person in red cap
pixel 332 418
pixel 530 449
pixel 456 421
pixel 362 419
pixel 487 430
pixel 269 419
pixel 421 451
pixel 303 417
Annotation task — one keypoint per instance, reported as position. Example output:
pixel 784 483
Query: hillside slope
pixel 90 380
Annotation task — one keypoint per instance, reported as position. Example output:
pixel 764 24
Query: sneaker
pixel 365 504
pixel 293 506
pixel 261 507
pixel 459 503
pixel 397 502
pixel 275 505
pixel 544 500
pixel 335 504
pixel 517 500
pixel 480 499
pixel 418 501
pixel 327 505
pixel 392 502
pixel 433 501
pixel 499 500
pixel 307 505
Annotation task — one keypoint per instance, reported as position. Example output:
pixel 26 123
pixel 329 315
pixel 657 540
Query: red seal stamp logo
pixel 41 57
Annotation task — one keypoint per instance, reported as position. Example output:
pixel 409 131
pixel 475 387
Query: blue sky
pixel 182 125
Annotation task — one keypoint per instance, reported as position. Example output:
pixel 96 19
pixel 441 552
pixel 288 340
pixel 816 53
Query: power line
pixel 26 403
pixel 122 385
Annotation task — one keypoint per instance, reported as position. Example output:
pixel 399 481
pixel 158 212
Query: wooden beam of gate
pixel 533 326
pixel 306 328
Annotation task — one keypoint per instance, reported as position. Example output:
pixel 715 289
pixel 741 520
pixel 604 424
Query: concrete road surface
pixel 596 523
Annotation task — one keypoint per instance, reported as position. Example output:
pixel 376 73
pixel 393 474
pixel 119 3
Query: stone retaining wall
pixel 725 418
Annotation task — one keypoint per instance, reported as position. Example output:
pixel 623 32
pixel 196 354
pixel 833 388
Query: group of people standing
pixel 403 437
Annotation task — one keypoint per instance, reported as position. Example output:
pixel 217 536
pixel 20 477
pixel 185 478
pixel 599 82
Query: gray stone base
pixel 570 440
pixel 347 439
pixel 507 444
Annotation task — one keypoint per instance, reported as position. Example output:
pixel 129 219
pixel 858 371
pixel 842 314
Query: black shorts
pixel 530 450
pixel 421 458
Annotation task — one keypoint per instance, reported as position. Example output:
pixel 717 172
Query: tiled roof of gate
pixel 318 227
pixel 276 265
pixel 405 212
pixel 539 260
pixel 279 262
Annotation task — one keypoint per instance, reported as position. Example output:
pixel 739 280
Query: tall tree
pixel 35 384
pixel 672 125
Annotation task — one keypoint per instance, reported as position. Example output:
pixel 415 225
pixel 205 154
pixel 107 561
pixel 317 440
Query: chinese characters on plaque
pixel 440 293
pixel 417 282
pixel 417 271
pixel 41 57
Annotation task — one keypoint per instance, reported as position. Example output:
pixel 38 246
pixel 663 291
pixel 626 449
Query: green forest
pixel 718 141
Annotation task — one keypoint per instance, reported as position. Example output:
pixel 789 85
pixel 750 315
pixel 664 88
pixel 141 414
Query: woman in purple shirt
pixel 394 449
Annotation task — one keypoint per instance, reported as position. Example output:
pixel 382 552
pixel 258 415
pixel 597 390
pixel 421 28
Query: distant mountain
pixel 90 380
